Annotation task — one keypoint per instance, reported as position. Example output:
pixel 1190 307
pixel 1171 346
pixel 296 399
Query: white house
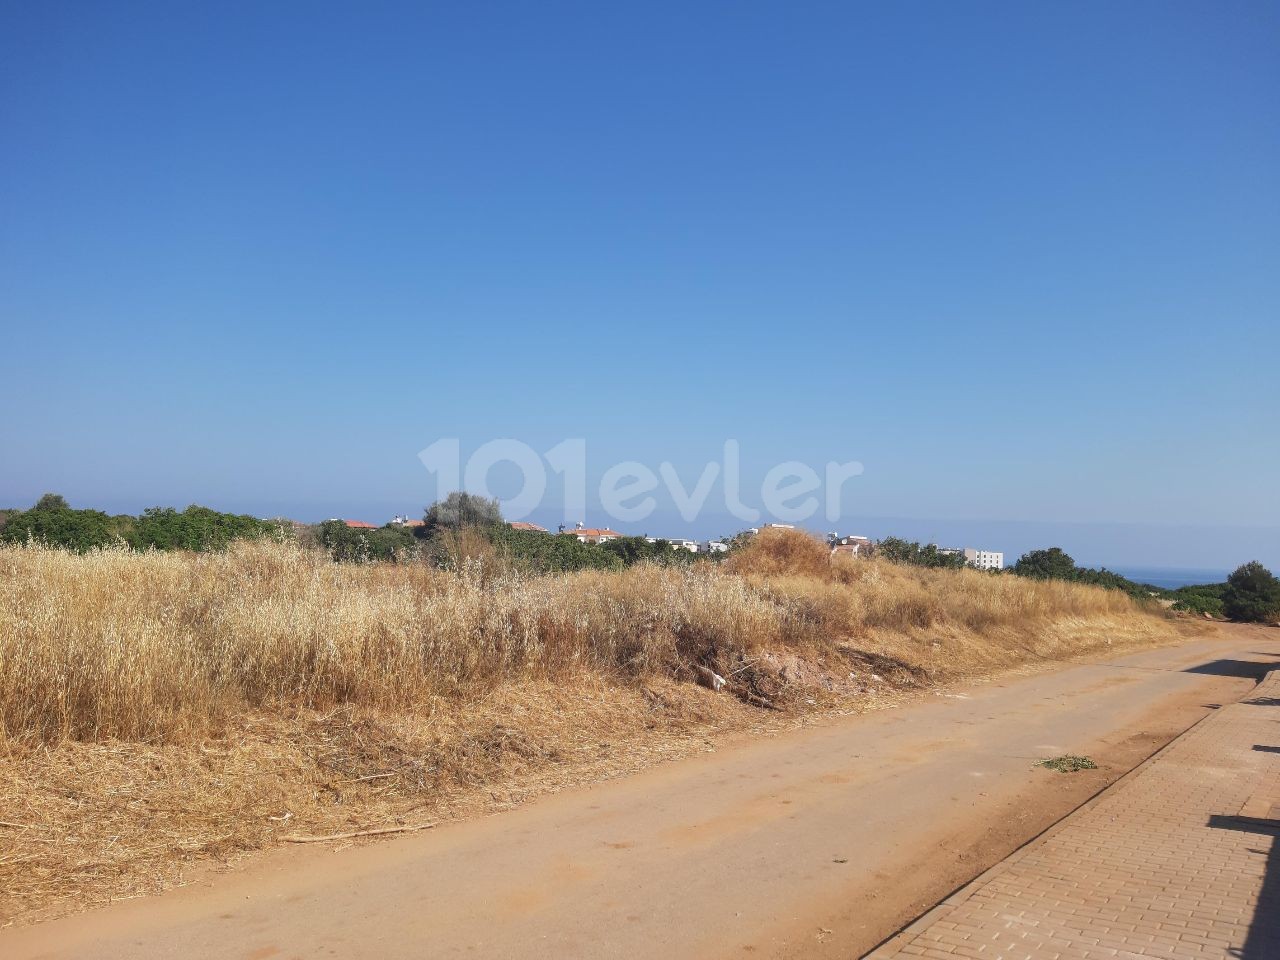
pixel 984 559
pixel 677 543
pixel 714 546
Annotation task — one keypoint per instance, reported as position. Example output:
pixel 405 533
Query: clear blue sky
pixel 1020 259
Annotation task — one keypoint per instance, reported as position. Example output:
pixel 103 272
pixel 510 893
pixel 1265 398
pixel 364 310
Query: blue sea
pixel 1171 577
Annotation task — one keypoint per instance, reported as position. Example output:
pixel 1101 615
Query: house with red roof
pixel 592 534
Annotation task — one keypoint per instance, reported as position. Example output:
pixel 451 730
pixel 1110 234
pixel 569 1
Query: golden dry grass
pixel 166 646
pixel 161 709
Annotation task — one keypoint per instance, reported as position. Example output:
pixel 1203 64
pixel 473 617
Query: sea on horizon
pixel 1171 577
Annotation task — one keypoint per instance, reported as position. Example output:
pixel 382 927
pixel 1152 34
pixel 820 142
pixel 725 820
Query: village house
pixel 592 534
pixel 524 525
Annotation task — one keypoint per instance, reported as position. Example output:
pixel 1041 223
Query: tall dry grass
pixel 163 646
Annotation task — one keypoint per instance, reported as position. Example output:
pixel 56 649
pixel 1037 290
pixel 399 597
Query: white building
pixel 984 559
pixel 677 543
pixel 715 546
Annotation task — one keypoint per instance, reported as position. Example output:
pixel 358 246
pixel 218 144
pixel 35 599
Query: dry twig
pixel 299 838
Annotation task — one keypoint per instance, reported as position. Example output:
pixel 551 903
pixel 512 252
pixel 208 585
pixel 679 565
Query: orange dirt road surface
pixel 820 842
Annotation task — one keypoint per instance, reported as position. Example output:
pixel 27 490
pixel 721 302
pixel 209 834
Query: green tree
pixel 461 509
pixel 898 550
pixel 52 501
pixel 1252 594
pixel 1051 564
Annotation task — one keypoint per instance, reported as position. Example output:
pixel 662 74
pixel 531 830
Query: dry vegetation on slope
pixel 159 709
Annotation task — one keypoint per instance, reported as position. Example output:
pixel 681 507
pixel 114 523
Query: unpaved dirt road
pixel 815 843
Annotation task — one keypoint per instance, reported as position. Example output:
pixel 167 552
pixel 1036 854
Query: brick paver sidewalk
pixel 1159 865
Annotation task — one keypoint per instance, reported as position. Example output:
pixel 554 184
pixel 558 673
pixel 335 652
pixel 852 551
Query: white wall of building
pixel 984 559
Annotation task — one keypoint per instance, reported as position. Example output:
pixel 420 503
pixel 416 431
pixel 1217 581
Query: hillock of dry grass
pixel 164 709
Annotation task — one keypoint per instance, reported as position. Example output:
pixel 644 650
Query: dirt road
pixel 816 843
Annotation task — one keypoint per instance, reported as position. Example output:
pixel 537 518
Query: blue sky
pixel 1020 260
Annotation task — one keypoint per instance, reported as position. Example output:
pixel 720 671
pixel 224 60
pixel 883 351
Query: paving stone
pixel 1161 865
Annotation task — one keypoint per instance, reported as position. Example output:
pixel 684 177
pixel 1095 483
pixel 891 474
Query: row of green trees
pixel 53 521
pixel 897 550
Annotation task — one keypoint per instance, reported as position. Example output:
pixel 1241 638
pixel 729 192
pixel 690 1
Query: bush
pixel 1252 594
pixel 1200 603
pixel 359 545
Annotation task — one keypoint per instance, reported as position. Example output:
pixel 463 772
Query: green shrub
pixel 359 545
pixel 537 552
pixel 1252 594
pixel 195 528
pixel 78 530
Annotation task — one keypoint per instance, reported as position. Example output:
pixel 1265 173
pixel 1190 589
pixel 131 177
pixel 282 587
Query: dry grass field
pixel 163 710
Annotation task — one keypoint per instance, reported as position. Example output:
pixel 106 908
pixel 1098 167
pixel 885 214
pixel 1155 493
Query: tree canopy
pixel 1053 563
pixel 461 509
pixel 1253 594
pixel 52 501
pixel 914 554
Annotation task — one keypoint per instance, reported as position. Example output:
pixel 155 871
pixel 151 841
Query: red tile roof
pixel 360 525
pixel 594 532
pixel 414 523
pixel 521 525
